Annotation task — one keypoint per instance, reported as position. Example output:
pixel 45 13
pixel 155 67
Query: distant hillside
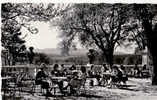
pixel 78 52
pixel 54 51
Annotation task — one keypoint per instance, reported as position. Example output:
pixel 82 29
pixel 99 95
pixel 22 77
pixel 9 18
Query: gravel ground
pixel 138 89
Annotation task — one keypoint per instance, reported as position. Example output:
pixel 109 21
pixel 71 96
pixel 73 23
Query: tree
pixel 16 16
pixel 100 25
pixel 64 48
pixel 11 29
pixel 12 41
pixel 147 14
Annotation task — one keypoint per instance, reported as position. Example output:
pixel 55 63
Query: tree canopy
pixel 100 25
pixel 147 15
pixel 16 16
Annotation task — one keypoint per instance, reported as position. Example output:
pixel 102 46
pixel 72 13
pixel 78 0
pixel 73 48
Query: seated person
pixel 63 70
pixel 145 71
pixel 83 73
pixel 116 74
pixel 136 71
pixel 41 79
pixel 104 68
pixel 56 71
pixel 78 79
pixel 124 76
pixel 72 68
pixel 59 72
pixel 144 67
pixel 104 78
pixel 91 72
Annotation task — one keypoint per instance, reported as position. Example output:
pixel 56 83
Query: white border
pixel 80 1
pixel 67 1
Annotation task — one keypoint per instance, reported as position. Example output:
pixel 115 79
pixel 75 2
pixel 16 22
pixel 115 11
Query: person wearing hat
pixel 41 79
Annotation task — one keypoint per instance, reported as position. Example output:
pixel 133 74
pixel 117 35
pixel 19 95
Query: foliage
pixel 147 14
pixel 100 25
pixel 16 16
pixel 41 58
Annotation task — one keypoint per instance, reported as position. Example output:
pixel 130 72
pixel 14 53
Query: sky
pixel 47 37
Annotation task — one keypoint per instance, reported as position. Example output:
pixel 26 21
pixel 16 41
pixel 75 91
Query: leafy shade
pixel 100 25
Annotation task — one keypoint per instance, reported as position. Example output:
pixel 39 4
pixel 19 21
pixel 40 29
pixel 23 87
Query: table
pixel 57 82
pixel 107 73
pixel 58 78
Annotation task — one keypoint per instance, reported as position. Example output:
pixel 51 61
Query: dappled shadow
pixel 148 89
pixel 90 96
pixel 12 98
pixel 125 88
pixel 86 95
pixel 76 97
pixel 128 87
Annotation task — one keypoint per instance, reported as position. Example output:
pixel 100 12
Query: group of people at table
pixel 107 75
pixel 60 76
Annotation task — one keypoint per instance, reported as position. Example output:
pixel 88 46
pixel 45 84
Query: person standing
pixel 31 55
pixel 91 56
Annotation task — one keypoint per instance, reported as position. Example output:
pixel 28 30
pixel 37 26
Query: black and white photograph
pixel 78 51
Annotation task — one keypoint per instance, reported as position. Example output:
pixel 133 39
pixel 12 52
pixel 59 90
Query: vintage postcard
pixel 78 50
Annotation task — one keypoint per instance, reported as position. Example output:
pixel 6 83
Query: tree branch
pixel 105 33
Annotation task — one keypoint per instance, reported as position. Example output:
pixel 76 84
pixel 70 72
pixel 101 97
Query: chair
pixel 58 84
pixel 25 83
pixel 77 85
pixel 36 87
pixel 145 74
pixel 8 87
pixel 105 79
pixel 54 87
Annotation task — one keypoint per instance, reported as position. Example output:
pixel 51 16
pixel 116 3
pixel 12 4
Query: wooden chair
pixel 25 83
pixel 8 87
pixel 54 87
pixel 36 88
pixel 105 79
pixel 77 85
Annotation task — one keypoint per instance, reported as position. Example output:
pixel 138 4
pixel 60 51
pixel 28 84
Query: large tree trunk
pixel 109 56
pixel 153 51
pixel 154 76
pixel 151 43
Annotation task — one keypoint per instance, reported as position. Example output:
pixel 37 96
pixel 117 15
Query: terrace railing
pixel 32 69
